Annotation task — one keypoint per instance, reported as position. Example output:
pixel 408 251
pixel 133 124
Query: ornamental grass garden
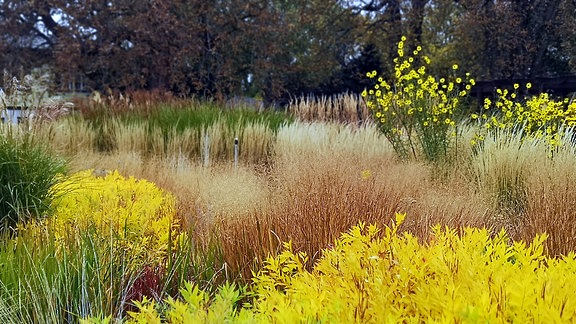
pixel 405 203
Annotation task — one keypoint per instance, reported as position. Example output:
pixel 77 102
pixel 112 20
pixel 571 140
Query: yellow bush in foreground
pixel 129 211
pixel 373 276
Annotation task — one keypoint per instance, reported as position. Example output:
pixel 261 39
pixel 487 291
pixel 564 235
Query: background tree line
pixel 278 48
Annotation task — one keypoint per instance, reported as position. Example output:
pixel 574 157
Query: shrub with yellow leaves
pixel 132 213
pixel 374 276
pixel 415 110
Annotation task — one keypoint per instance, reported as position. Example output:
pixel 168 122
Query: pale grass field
pixel 208 145
pixel 528 191
pixel 320 178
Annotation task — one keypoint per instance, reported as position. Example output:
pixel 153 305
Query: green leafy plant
pixel 27 173
pixel 417 112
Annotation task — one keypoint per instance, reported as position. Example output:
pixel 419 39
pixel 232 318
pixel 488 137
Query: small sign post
pixel 236 152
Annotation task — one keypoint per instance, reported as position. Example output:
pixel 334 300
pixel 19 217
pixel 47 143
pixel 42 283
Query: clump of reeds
pixel 341 108
pixel 198 133
pixel 28 170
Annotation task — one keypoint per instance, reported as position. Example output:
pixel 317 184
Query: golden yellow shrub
pixel 115 208
pixel 374 276
pixel 473 277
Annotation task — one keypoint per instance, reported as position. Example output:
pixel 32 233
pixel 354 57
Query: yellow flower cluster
pixel 536 117
pixel 415 102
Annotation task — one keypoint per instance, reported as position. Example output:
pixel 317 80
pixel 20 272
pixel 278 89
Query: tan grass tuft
pixel 500 172
pixel 330 138
pixel 552 199
pixel 342 108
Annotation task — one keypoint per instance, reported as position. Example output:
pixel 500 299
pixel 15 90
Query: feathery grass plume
pixel 105 130
pixel 552 198
pixel 256 143
pixel 67 136
pixel 341 108
pixel 131 138
pixel 329 138
pixel 318 189
pixel 500 170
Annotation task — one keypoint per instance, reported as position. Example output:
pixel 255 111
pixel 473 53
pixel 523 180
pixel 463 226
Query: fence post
pixel 236 152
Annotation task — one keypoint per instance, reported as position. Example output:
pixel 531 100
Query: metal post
pixel 236 152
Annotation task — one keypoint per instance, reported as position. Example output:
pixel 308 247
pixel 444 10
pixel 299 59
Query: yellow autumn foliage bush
pixel 383 276
pixel 127 211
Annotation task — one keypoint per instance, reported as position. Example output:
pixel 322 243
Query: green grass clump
pixel 27 172
pixel 43 283
pixel 183 115
pixel 200 131
pixel 168 118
